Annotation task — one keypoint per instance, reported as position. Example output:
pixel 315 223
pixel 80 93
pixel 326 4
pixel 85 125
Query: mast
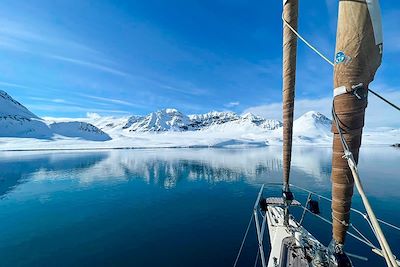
pixel 358 56
pixel 290 15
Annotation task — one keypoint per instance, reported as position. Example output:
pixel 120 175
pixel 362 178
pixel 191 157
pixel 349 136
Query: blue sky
pixel 67 58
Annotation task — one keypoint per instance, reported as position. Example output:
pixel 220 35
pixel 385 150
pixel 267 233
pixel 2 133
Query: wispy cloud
pixel 13 85
pixel 52 100
pixel 87 64
pixel 232 104
pixel 72 109
pixel 48 37
pixel 112 100
pixel 19 38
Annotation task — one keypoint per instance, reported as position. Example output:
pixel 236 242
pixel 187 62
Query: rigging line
pixel 304 211
pixel 258 255
pixel 361 234
pixel 244 240
pixel 385 100
pixel 389 224
pixel 305 41
pixel 350 233
pixel 352 209
pixel 330 62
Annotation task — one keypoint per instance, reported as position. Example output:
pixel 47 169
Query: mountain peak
pixel 168 119
pixel 11 107
pixel 17 121
pixel 315 117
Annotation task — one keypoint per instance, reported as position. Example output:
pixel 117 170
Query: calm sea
pixel 166 207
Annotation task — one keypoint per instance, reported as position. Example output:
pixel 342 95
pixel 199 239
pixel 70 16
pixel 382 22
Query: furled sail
pixel 290 15
pixel 358 56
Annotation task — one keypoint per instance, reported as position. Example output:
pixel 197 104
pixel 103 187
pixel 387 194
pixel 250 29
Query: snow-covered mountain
pixel 312 125
pixel 160 121
pixel 311 128
pixel 163 128
pixel 218 118
pixel 261 122
pixel 202 121
pixel 172 120
pixel 79 129
pixel 17 121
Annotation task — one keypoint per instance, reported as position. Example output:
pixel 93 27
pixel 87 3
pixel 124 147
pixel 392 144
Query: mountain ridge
pixel 26 124
pixel 18 121
pixel 162 128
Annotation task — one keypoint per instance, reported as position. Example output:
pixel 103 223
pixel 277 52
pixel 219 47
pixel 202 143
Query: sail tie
pixel 353 90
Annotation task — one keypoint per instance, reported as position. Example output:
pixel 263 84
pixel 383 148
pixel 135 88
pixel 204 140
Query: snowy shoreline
pixel 24 144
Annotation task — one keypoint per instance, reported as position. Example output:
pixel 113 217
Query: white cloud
pixel 92 115
pixel 232 104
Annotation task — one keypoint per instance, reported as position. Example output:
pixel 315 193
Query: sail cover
pixel 358 56
pixel 290 15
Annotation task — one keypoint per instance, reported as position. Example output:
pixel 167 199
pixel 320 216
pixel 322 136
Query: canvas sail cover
pixel 290 15
pixel 358 56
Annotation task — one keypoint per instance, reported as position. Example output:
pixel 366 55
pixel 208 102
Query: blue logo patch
pixel 340 57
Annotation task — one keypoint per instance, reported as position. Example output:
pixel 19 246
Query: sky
pixel 73 57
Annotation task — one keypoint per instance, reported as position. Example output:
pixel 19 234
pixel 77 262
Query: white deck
pixel 278 231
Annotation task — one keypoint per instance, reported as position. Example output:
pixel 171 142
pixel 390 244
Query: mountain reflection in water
pixel 169 207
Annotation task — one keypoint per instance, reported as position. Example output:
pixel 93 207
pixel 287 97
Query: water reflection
pixel 168 167
pixel 122 207
pixel 17 167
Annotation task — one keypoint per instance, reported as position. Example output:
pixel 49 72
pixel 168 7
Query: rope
pixel 385 100
pixel 304 211
pixel 350 233
pixel 352 209
pixel 306 42
pixel 331 63
pixel 361 234
pixel 258 255
pixel 389 224
pixel 244 240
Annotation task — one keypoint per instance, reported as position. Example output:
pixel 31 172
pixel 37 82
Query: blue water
pixel 169 207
